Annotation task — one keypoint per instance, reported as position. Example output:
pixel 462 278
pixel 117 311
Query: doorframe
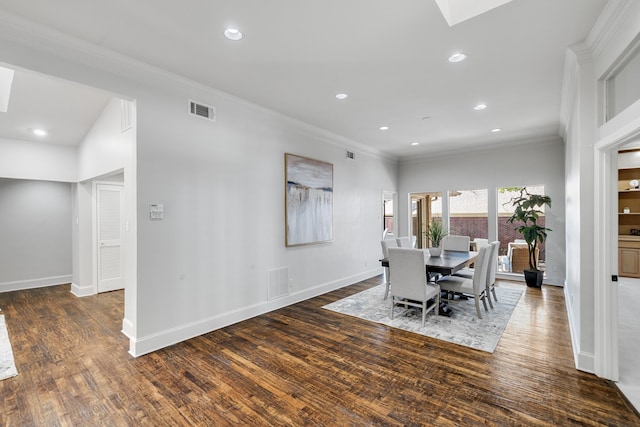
pixel 606 265
pixel 393 195
pixel 94 227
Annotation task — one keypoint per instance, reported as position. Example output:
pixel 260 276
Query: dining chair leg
pixel 478 307
pixel 484 302
pixel 493 291
pixel 387 283
pixel 488 294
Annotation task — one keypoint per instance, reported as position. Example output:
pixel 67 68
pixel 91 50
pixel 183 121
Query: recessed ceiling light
pixel 480 107
pixel 457 57
pixel 415 143
pixel 233 34
pixel 384 127
pixel 496 130
pixel 38 132
pixel 342 96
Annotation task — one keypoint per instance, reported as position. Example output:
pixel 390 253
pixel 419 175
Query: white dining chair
pixel 386 244
pixel 410 287
pixel 492 266
pixel 456 243
pixel 404 242
pixel 475 287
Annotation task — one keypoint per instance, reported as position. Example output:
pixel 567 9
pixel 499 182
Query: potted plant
pixel 528 209
pixel 435 233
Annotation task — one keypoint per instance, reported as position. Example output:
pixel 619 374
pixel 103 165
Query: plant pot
pixel 533 278
pixel 435 251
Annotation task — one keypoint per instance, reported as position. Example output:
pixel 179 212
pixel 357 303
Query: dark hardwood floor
pixel 298 366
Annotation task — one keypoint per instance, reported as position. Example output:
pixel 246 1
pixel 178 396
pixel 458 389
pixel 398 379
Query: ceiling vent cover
pixel 202 110
pixel 350 155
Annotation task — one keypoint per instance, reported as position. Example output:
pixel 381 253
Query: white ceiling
pixel 389 56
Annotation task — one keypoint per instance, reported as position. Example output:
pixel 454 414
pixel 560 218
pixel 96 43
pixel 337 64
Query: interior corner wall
pixel 205 265
pixel 536 162
pixel 579 141
pixel 106 150
pixel 35 249
pixel 583 133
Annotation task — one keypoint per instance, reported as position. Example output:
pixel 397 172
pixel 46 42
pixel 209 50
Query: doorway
pixel 109 232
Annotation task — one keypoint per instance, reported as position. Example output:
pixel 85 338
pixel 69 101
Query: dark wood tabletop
pixel 446 264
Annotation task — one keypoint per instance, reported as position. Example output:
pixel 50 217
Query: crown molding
pixel 40 38
pixel 540 141
pixel 607 24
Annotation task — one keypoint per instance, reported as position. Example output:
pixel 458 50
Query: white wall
pixel 107 149
pixel 588 64
pixel 34 160
pixel 222 184
pixel 35 225
pixel 536 162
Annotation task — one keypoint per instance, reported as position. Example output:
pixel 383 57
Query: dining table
pixel 446 264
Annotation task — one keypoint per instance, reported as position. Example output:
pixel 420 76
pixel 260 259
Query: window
pixel 514 254
pixel 388 225
pixel 425 207
pixel 623 86
pixel 469 213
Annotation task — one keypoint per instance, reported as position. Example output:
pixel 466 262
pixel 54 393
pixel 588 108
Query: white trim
pixel 607 25
pixel 82 291
pixel 147 344
pixel 127 328
pixel 583 361
pixel 41 282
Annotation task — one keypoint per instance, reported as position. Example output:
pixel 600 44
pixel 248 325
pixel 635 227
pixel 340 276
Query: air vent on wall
pixel 350 155
pixel 202 110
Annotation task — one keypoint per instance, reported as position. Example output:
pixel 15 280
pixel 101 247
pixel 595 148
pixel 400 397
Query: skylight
pixel 456 11
pixel 6 79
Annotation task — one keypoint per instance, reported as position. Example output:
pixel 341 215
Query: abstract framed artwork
pixel 308 200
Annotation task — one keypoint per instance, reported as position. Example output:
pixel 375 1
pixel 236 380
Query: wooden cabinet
pixel 628 214
pixel 628 201
pixel 629 256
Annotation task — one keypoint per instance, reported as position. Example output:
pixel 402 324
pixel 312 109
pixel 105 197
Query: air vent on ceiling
pixel 202 110
pixel 350 155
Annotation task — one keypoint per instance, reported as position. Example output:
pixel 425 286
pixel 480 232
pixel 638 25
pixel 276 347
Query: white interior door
pixel 109 237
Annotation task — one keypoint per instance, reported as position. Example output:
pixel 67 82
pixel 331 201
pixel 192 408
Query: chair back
pixel 480 242
pixel 456 243
pixel 404 242
pixel 408 270
pixel 493 263
pixel 480 270
pixel 386 244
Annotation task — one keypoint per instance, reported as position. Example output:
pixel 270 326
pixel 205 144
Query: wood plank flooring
pixel 298 366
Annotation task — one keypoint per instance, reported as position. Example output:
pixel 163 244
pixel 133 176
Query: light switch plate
pixel 156 211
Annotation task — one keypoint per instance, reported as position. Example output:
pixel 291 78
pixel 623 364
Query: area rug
pixel 7 365
pixel 463 327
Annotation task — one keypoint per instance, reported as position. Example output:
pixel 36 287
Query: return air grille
pixel 202 110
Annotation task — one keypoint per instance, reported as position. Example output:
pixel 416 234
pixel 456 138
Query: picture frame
pixel 308 201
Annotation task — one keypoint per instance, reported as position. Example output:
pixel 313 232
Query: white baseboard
pixel 127 328
pixel 35 283
pixel 583 360
pixel 147 344
pixel 83 291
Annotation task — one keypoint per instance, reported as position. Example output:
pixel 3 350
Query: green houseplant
pixel 435 233
pixel 528 209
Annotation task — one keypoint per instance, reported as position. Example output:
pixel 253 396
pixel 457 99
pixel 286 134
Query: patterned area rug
pixel 7 365
pixel 463 327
